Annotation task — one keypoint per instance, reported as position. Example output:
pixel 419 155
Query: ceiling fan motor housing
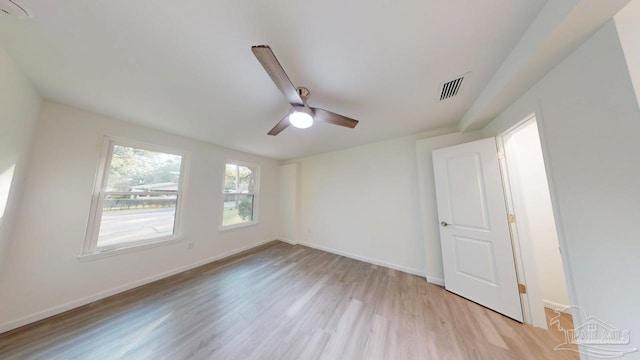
pixel 303 109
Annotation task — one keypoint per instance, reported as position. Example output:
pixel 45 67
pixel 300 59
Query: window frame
pixel 90 245
pixel 255 168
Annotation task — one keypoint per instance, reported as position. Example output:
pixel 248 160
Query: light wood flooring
pixel 281 301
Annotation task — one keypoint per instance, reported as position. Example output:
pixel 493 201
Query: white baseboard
pixel 435 280
pixel 366 259
pixel 292 242
pixel 103 294
pixel 556 306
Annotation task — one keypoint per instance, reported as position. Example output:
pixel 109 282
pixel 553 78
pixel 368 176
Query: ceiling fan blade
pixel 267 58
pixel 281 125
pixel 333 118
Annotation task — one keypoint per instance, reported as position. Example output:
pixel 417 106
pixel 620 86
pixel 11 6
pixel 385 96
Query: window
pixel 137 197
pixel 239 194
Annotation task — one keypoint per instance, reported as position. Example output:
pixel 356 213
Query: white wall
pixel 288 229
pixel 428 206
pixel 42 274
pixel 628 25
pixel 363 202
pixel 19 105
pixel 590 122
pixel 374 202
pixel 534 212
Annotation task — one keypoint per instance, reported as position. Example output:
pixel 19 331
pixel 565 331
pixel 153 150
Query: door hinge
pixel 511 218
pixel 522 288
pixel 500 155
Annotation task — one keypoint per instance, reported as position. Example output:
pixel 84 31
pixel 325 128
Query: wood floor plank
pixel 280 301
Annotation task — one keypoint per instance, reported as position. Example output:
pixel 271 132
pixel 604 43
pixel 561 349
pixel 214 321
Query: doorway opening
pixel 536 248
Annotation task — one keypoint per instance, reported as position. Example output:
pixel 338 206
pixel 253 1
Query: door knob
pixel 444 223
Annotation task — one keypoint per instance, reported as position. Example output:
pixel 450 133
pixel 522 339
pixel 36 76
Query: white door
pixel 474 229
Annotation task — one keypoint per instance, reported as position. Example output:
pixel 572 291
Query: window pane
pixel 238 209
pixel 134 169
pixel 245 179
pixel 230 178
pixel 127 218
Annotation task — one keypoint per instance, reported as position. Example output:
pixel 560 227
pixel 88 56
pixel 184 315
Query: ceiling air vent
pixel 11 8
pixel 451 88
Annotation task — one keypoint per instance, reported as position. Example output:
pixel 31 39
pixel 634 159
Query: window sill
pixel 127 249
pixel 237 226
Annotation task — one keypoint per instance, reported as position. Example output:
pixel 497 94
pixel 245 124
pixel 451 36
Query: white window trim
pixel 90 250
pixel 256 194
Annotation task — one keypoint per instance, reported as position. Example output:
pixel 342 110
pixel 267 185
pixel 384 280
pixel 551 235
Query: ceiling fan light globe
pixel 300 119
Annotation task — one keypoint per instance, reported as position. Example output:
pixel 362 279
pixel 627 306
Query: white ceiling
pixel 187 68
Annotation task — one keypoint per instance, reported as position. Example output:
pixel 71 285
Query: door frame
pixel 530 277
pixel 523 252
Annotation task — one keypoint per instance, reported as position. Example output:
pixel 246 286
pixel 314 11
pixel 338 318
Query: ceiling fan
pixel 301 115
